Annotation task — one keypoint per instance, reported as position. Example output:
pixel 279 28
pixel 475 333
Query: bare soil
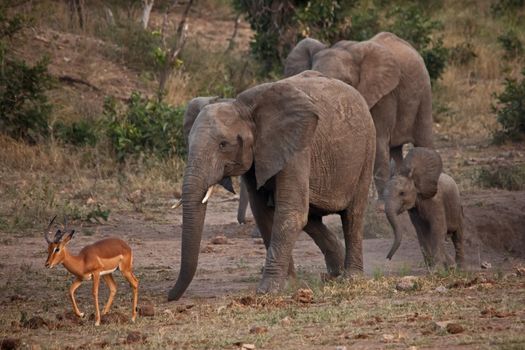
pixel 36 310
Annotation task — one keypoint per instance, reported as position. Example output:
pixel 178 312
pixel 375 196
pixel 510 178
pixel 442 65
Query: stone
pixel 221 239
pixel 454 328
pixel 486 265
pixel 441 289
pixel 286 321
pixel 407 283
pixel 258 330
pixel 147 310
pixel 520 271
pixel 305 296
pixel 135 337
pixel 248 347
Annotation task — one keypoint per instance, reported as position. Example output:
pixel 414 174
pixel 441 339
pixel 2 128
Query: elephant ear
pixel 379 71
pixel 285 120
pixel 300 58
pixel 192 111
pixel 424 166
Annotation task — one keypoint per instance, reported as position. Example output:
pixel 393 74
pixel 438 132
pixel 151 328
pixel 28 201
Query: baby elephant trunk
pixel 393 219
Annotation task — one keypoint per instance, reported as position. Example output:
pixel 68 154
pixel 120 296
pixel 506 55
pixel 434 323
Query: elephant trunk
pixel 393 218
pixel 193 214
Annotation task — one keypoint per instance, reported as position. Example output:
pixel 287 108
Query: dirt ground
pixel 220 310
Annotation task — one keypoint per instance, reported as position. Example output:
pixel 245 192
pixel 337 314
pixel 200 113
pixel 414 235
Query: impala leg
pixel 112 285
pixel 76 283
pixel 134 283
pixel 96 284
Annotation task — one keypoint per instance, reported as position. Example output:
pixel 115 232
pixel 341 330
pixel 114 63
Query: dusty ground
pixel 219 309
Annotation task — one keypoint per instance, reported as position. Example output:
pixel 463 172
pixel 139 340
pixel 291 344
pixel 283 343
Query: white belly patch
pixel 107 272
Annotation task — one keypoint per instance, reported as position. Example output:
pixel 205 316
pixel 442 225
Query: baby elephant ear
pixel 300 58
pixel 424 166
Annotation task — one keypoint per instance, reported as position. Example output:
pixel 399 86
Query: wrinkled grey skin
pixel 305 148
pixel 393 79
pixel 433 203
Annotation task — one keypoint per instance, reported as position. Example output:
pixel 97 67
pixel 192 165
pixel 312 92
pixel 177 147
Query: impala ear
pixel 300 58
pixel 69 237
pixel 285 121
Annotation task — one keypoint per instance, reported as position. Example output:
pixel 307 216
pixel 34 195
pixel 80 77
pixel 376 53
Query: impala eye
pixel 56 250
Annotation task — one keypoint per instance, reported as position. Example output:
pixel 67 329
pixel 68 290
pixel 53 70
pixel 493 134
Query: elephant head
pixel 258 132
pixel 368 66
pixel 417 179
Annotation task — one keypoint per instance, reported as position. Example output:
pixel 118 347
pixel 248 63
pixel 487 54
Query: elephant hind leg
pixel 329 244
pixel 423 125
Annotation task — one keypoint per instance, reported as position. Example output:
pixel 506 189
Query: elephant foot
pixel 271 285
pixel 256 233
pixel 334 264
pixel 353 273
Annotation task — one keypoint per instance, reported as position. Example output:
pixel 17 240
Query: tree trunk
pixel 146 12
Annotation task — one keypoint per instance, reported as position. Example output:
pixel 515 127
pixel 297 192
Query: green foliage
pixel 511 177
pixel 414 26
pixel 325 20
pixel 146 126
pixel 510 110
pixel 78 133
pixel 365 24
pixel 24 108
pixel 511 44
pixel 503 7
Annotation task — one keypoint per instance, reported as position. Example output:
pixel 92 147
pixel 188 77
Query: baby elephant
pixel 95 261
pixel 432 200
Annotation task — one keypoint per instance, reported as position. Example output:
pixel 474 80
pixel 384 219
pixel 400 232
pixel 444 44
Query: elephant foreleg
pixel 397 155
pixel 263 216
pixel 381 166
pixel 329 244
pixel 422 231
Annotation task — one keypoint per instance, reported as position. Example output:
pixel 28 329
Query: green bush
pixel 506 6
pixel 78 133
pixel 462 54
pixel 510 110
pixel 511 177
pixel 145 126
pixel 24 107
pixel 414 26
pixel 511 44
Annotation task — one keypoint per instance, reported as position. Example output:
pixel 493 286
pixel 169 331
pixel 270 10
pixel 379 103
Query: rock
pixel 135 337
pixel 305 296
pixel 221 239
pixel 247 346
pixel 258 330
pixel 258 241
pixel 10 344
pixel 486 265
pixel 168 313
pixel 34 323
pixel 286 321
pixel 388 338
pixel 454 328
pixel 407 283
pixel 441 325
pixel 520 271
pixel 441 289
pixel 208 249
pixel 340 347
pixel 147 310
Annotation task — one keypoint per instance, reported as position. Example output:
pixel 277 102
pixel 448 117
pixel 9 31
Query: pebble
pixel 407 283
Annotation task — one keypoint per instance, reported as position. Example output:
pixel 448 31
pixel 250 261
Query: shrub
pixel 413 25
pixel 146 126
pixel 24 108
pixel 511 44
pixel 506 6
pixel 510 110
pixel 78 133
pixel 511 177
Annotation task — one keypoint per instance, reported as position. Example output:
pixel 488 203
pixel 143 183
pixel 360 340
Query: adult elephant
pixel 393 79
pixel 305 148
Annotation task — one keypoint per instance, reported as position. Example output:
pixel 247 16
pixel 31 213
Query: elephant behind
pixel 393 79
pixel 305 148
pixel 433 203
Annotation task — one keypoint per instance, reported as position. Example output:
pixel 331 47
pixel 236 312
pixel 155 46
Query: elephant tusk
pixel 176 205
pixel 208 194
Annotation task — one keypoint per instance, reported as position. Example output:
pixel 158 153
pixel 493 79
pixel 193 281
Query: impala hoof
pixel 97 323
pixel 81 315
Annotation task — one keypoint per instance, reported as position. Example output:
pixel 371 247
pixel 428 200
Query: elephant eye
pixel 223 144
pixel 402 193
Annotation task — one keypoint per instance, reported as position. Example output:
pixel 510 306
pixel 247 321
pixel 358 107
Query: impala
pixel 96 260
